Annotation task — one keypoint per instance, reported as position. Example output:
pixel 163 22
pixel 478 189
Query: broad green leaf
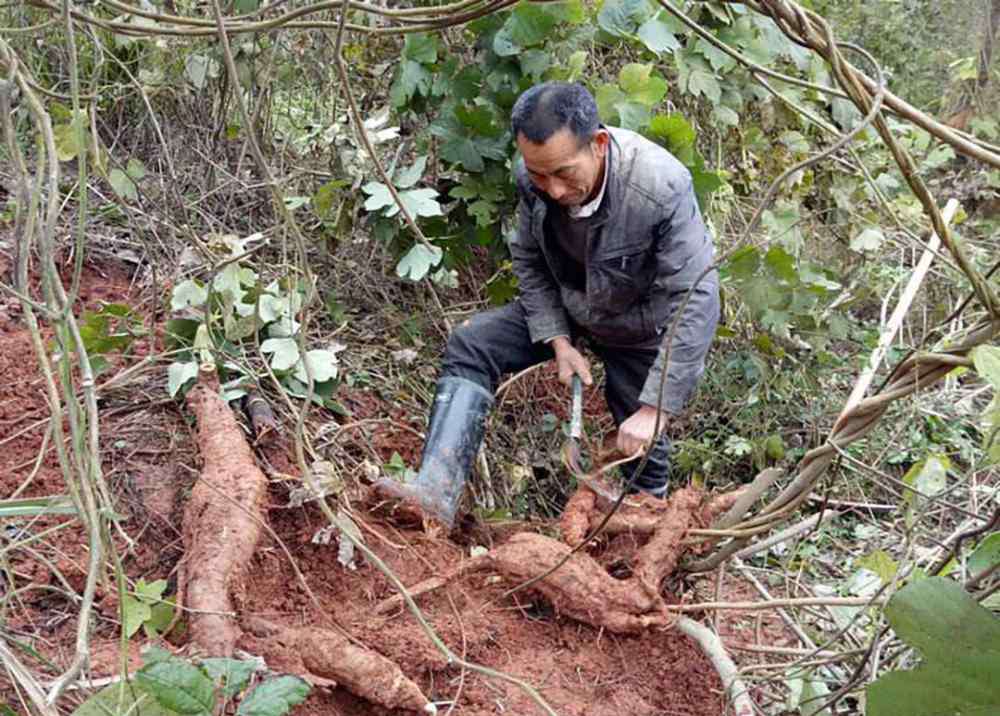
pixel 719 60
pixel 986 554
pixel 657 35
pixel 413 78
pixel 134 613
pixel 121 699
pixel 135 169
pixel 151 592
pixel 123 184
pixel 782 264
pixel 782 224
pixel 744 262
pixel 418 261
pixel 928 477
pixel 870 239
pixel 232 674
pixel 881 564
pixel 187 293
pixel 196 69
pixel 418 202
pixel 529 24
pixel 421 47
pixel 794 141
pixel 405 178
pixel 725 115
pixel 698 78
pixel 623 18
pixel 322 364
pixel 608 97
pixel 324 198
pixel 534 63
pixel 284 352
pixel 960 644
pixel 178 685
pixel 160 616
pixel 274 697
pixel 480 119
pixel 987 361
pixel 179 374
pixel 674 130
pixel 246 6
pixel 71 137
pixel 641 85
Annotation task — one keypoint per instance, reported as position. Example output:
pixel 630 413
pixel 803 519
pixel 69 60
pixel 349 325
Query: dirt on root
pixel 148 454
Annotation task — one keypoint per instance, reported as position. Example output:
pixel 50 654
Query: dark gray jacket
pixel 647 246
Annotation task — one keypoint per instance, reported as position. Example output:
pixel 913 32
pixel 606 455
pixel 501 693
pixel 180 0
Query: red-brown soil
pixel 150 460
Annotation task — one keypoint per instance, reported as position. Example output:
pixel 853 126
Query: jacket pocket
pixel 620 281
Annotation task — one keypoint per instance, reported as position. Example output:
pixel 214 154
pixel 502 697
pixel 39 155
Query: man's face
pixel 560 167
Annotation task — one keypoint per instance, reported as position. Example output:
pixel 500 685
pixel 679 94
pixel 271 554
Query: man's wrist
pixel 559 342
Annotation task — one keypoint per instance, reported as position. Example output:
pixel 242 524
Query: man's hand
pixel 636 433
pixel 570 362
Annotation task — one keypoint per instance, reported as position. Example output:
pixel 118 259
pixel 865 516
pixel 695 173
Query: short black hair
pixel 545 109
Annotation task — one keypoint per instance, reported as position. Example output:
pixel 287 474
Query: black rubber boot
pixel 455 430
pixel 655 475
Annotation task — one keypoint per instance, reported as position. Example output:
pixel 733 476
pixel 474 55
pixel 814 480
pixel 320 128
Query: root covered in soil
pixel 222 521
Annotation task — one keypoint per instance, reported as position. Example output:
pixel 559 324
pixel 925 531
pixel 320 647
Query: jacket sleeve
pixel 683 251
pixel 538 288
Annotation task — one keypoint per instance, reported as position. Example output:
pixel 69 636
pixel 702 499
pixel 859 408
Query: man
pixel 609 241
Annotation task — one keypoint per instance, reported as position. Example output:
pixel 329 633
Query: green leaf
pixel 123 184
pixel 120 699
pixel 413 78
pixel 274 697
pixel 987 362
pixel 152 592
pixel 622 18
pixel 135 169
pixel 134 613
pixel 196 69
pixel 782 264
pixel 657 35
pixel 179 374
pixel 187 293
pixel 960 644
pixel 418 261
pixel 698 78
pixel 161 615
pixel 675 131
pixel 421 47
pixel 929 476
pixel 529 24
pixel 232 674
pixel 881 564
pixel 418 202
pixel 324 198
pixel 744 263
pixel 178 685
pixel 641 85
pixel 405 178
pixel 870 239
pixel 794 141
pixel 284 352
pixel 71 138
pixel 322 364
pixel 986 554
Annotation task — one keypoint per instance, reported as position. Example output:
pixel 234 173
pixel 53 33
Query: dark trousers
pixel 493 343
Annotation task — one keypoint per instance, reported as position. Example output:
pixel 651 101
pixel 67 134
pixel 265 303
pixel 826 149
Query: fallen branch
pixel 711 645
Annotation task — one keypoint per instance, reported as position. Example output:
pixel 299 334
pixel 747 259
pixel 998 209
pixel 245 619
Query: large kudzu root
pixel 580 588
pixel 336 660
pixel 361 671
pixel 575 518
pixel 660 555
pixel 222 521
